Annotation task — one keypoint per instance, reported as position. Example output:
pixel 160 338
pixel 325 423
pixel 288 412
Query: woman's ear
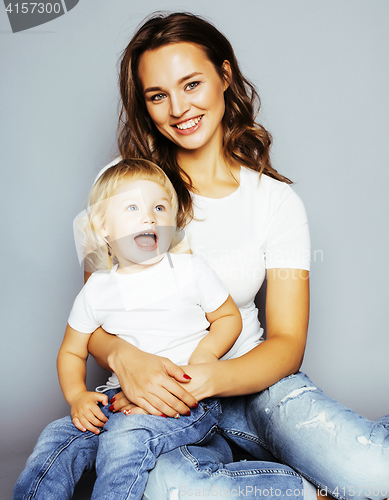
pixel 226 67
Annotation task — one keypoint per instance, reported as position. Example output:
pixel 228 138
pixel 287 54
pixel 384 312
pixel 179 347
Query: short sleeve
pixel 81 316
pixel 288 244
pixel 213 292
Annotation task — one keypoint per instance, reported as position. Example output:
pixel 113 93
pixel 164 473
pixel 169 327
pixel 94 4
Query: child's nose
pixel 149 218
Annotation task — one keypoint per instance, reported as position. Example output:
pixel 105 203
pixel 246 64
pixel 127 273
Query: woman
pixel 187 107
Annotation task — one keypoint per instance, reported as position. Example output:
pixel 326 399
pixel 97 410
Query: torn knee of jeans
pixel 320 419
pixel 174 494
pixel 296 393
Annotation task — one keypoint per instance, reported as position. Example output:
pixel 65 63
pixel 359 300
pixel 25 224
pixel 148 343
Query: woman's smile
pixel 184 94
pixel 189 126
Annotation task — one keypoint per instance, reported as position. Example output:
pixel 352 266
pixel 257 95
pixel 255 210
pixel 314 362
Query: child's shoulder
pixel 98 278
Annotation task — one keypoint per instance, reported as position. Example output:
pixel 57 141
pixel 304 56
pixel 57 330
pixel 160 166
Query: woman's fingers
pixel 176 372
pixel 132 409
pixel 118 402
pixel 167 405
pixel 140 384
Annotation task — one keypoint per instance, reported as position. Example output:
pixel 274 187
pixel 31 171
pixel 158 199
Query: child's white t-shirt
pixel 261 225
pixel 160 310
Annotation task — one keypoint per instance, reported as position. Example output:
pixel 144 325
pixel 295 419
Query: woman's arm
pixel 280 355
pixel 149 381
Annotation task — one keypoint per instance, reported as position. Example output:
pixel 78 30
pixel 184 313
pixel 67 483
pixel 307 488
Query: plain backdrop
pixel 322 71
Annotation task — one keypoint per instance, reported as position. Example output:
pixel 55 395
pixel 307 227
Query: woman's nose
pixel 178 105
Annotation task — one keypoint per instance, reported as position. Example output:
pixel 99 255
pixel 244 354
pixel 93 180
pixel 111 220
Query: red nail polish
pixel 188 414
pixel 110 408
pixel 163 415
pixel 113 400
pixel 186 377
pixel 195 405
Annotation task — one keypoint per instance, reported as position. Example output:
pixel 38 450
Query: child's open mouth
pixel 146 241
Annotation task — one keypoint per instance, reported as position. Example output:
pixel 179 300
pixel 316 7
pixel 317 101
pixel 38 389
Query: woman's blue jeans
pixel 292 422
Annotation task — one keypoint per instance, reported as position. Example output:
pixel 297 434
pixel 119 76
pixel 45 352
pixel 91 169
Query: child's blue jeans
pixel 125 451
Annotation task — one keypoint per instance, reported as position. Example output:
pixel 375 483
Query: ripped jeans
pixel 292 422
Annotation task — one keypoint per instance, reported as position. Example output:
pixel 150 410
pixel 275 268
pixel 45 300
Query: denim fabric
pixel 130 445
pixel 209 472
pixel 125 451
pixel 292 422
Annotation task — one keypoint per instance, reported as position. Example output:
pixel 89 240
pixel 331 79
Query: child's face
pixel 139 224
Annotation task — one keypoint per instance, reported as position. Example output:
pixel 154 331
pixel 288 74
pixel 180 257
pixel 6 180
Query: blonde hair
pixel 97 251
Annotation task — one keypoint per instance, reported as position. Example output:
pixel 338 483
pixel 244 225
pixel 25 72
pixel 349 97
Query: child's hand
pixel 86 414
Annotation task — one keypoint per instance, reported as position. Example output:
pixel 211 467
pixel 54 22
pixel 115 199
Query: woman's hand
pixel 119 403
pixel 151 382
pixel 202 376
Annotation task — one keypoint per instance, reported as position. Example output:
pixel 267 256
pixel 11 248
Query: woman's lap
pixel 209 471
pixel 328 444
pixel 292 420
pixel 295 422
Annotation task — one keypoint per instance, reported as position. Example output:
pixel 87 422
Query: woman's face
pixel 184 94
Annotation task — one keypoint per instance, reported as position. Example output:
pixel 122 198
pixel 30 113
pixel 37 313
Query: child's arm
pixel 71 365
pixel 225 327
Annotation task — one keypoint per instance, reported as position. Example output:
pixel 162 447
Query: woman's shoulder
pixel 265 187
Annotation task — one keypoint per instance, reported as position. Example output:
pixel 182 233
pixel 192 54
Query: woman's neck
pixel 211 174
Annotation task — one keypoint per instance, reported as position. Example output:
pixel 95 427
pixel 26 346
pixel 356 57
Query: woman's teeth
pixel 189 123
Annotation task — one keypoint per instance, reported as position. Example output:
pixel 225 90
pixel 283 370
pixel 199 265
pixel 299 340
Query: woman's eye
pixel 192 85
pixel 131 208
pixel 157 97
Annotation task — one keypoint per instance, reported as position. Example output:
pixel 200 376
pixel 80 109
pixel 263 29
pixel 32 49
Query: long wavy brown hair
pixel 244 140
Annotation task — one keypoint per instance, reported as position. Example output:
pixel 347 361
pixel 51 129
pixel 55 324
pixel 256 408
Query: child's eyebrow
pixel 164 199
pixel 181 80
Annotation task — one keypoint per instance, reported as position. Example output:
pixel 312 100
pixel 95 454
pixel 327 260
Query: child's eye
pixel 159 208
pixel 192 85
pixel 157 97
pixel 131 208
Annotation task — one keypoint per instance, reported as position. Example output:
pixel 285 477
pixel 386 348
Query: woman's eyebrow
pixel 181 80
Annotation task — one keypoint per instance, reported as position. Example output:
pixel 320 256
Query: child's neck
pixel 133 267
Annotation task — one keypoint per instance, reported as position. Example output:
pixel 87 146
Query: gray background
pixel 322 72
